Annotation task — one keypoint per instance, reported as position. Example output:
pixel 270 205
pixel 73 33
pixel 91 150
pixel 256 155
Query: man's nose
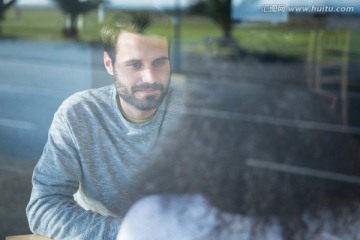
pixel 148 75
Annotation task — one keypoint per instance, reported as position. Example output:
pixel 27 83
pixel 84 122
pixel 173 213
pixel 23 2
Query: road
pixel 35 77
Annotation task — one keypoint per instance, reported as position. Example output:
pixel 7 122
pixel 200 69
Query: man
pixel 100 138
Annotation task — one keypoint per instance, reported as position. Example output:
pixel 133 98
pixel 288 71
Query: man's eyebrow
pixel 132 60
pixel 139 60
pixel 161 58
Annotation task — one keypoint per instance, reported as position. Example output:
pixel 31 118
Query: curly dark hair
pixel 251 155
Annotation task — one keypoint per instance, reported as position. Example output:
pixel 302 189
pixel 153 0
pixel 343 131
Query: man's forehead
pixel 133 46
pixel 135 40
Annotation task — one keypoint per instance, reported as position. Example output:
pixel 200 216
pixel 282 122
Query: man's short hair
pixel 141 22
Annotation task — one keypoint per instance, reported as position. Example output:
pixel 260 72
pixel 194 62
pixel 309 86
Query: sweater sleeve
pixel 52 210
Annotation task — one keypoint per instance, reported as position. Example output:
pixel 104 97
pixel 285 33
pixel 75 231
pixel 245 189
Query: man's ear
pixel 108 64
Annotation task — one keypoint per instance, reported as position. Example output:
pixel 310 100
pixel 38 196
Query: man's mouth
pixel 148 88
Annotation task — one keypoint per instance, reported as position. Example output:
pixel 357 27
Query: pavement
pixel 15 186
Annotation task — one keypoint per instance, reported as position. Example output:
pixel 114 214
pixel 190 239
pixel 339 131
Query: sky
pixel 127 3
pixel 184 3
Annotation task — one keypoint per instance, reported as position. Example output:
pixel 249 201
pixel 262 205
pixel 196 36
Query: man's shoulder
pixel 91 94
pixel 87 98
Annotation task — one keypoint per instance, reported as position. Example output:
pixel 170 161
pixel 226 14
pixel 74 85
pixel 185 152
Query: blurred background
pixel 50 49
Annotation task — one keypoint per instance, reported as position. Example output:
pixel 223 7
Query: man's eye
pixel 135 65
pixel 159 62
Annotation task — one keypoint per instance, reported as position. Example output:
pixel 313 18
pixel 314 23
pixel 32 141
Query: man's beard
pixel 150 102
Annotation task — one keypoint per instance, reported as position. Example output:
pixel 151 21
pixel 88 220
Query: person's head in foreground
pixel 137 55
pixel 221 176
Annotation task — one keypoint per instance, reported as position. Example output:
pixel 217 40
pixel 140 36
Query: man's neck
pixel 134 115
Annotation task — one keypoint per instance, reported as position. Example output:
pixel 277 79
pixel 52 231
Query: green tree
pixel 72 9
pixel 218 10
pixel 221 12
pixel 3 7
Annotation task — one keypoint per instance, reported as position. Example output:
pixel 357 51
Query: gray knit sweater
pixel 81 182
